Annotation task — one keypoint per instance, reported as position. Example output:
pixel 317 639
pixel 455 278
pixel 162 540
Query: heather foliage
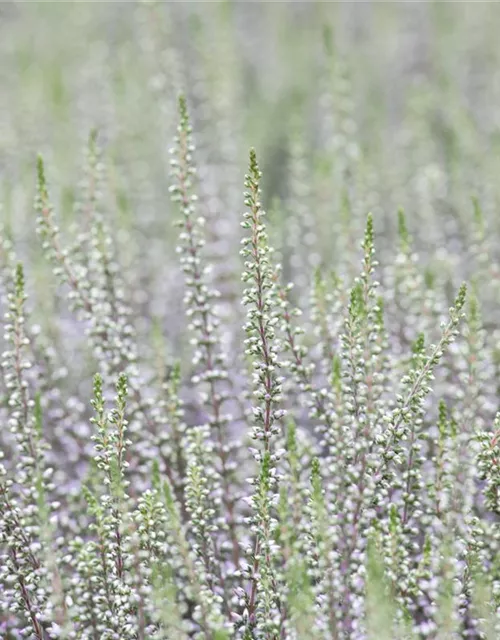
pixel 260 406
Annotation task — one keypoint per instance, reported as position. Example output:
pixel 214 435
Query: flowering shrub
pixel 355 519
pixel 299 453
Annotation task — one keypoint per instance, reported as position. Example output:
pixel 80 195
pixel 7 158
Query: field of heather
pixel 250 295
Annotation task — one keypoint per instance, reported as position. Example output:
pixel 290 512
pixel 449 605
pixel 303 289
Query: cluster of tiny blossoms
pixel 338 504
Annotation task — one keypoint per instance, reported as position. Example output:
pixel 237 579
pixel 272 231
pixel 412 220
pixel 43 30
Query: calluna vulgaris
pixel 296 489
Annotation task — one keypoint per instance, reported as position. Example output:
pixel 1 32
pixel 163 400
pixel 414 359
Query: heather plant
pixel 259 406
pixel 292 530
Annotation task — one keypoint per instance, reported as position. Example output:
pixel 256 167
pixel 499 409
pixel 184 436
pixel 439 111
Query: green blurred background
pixel 351 106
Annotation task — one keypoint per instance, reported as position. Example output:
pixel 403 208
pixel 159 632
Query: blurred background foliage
pixel 351 106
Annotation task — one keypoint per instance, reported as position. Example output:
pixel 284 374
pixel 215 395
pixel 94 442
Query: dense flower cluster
pixel 358 518
pixel 253 406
